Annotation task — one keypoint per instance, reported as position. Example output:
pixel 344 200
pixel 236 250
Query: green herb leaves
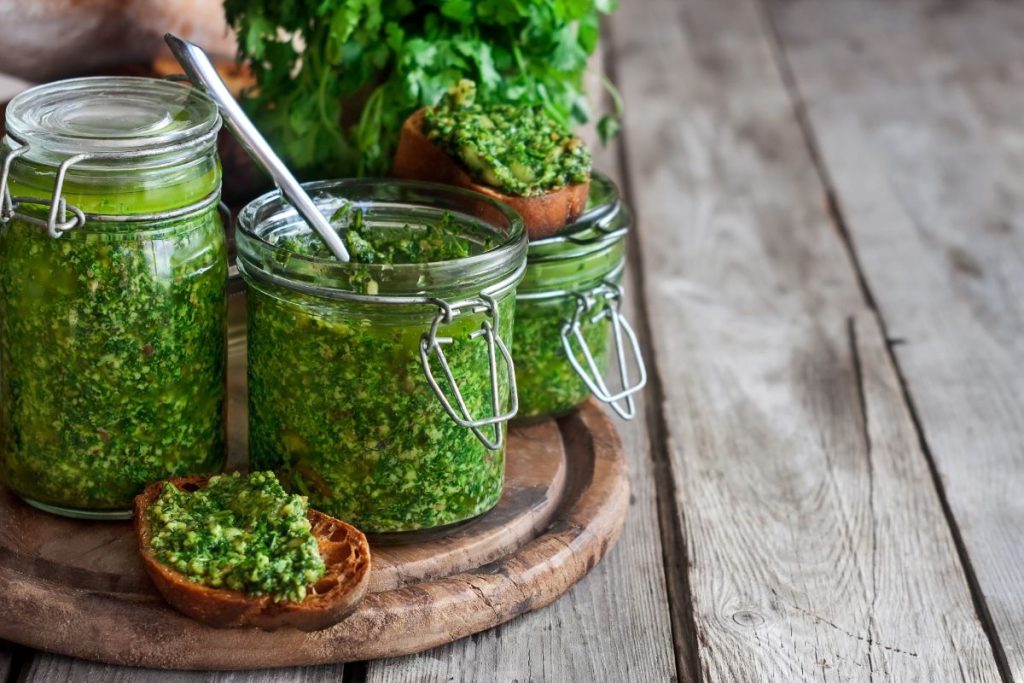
pixel 336 78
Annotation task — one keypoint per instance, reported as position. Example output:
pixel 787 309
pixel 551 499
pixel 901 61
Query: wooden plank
pixel 817 543
pixel 916 109
pixel 614 625
pixel 47 668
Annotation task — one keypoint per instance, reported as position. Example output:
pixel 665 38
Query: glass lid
pixel 273 238
pixel 110 117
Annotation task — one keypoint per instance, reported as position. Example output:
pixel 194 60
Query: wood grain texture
pixel 614 625
pixel 916 110
pixel 817 543
pixel 52 606
pixel 49 668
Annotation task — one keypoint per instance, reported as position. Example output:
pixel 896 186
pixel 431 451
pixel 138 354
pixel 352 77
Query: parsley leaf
pixel 335 79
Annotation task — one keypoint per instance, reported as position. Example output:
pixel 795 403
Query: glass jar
pixel 113 268
pixel 567 314
pixel 380 391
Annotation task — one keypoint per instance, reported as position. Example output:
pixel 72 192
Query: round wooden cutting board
pixel 78 588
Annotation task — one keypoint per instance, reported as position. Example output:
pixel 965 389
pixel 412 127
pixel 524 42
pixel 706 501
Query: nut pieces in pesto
pixel 517 149
pixel 241 533
pixel 235 551
pixel 112 327
pixel 567 314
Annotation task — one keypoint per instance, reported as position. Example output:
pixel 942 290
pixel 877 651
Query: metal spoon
pixel 201 72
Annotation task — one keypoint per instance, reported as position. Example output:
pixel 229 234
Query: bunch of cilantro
pixel 335 79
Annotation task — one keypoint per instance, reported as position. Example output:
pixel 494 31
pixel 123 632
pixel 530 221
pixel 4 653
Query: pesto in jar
pixel 339 404
pixel 408 244
pixel 548 385
pixel 583 263
pixel 518 149
pixel 113 321
pixel 340 409
pixel 239 533
pixel 112 351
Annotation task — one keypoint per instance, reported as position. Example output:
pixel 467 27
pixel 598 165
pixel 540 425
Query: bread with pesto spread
pixel 419 158
pixel 346 556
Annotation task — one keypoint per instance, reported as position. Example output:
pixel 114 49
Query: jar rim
pixel 325 276
pixel 111 119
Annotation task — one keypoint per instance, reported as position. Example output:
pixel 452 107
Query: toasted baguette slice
pixel 335 596
pixel 418 158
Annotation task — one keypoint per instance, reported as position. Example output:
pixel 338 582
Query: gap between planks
pixel 843 232
pixel 732 113
pixel 671 516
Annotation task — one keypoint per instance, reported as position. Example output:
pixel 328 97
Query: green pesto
pixel 583 261
pixel 408 244
pixel 242 533
pixel 548 385
pixel 340 407
pixel 111 357
pixel 519 150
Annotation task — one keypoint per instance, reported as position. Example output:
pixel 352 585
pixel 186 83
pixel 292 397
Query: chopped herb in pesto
pixel 438 241
pixel 241 533
pixel 517 149
pixel 340 408
pixel 548 385
pixel 339 405
pixel 585 261
pixel 111 358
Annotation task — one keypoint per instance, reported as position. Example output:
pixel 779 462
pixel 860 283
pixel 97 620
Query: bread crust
pixel 346 555
pixel 418 158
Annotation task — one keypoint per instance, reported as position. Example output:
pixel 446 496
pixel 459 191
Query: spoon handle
pixel 201 72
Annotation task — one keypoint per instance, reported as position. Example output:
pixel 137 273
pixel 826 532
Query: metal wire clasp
pixel 431 344
pixel 602 302
pixel 58 220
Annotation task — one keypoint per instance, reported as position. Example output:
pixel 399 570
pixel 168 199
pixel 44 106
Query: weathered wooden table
pixel 828 274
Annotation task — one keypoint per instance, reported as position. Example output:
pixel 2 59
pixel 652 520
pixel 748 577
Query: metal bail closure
pixel 608 297
pixel 57 222
pixel 431 344
pixel 6 201
pixel 59 206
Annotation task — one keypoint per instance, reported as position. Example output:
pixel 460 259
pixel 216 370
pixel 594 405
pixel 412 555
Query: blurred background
pixel 45 40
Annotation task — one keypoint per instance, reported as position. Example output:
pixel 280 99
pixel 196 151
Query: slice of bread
pixel 418 158
pixel 336 595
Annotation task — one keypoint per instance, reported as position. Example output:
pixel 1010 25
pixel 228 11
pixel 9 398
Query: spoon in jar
pixel 202 73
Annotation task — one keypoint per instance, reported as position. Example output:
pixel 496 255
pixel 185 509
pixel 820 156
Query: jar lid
pixel 111 118
pixel 605 220
pixel 269 223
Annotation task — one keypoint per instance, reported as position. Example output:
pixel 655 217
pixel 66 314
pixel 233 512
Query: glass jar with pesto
pixel 567 314
pixel 113 271
pixel 381 388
